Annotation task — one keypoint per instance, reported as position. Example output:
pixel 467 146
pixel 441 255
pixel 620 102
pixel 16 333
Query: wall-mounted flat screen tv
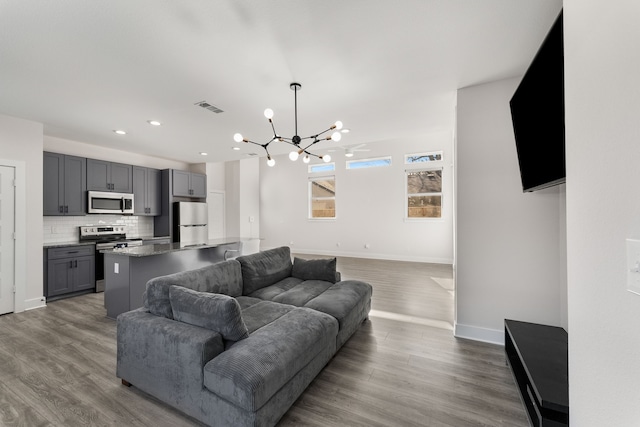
pixel 537 113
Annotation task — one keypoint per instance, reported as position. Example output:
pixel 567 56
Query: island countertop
pixel 163 248
pixel 127 270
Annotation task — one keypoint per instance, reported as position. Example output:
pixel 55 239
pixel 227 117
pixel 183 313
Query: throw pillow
pixel 217 312
pixel 315 269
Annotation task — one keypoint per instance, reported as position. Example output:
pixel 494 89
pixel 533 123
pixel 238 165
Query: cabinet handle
pixel 66 209
pixel 75 263
pixel 61 209
pixel 72 252
pixel 70 264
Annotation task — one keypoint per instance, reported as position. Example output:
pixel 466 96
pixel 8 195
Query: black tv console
pixel 538 357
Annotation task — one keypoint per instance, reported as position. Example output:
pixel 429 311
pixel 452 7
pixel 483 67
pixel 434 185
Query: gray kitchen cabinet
pixel 198 185
pixel 69 270
pixel 189 184
pixel 146 191
pixel 64 185
pixel 109 176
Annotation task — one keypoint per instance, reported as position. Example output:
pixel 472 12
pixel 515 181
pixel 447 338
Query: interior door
pixel 7 242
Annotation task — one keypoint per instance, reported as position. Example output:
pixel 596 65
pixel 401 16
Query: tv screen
pixel 537 112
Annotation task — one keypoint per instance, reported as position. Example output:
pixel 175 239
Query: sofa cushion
pixel 270 292
pixel 248 378
pixel 264 313
pixel 220 278
pixel 217 312
pixel 303 293
pixel 264 268
pixel 314 269
pixel 342 299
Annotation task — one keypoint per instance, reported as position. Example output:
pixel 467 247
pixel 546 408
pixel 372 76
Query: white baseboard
pixel 493 336
pixel 368 255
pixel 31 304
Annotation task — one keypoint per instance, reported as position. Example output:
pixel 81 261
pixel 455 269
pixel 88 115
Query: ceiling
pixel 386 69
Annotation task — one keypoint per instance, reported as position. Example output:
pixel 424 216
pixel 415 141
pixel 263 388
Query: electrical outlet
pixel 367 246
pixel 116 268
pixel 252 218
pixel 633 266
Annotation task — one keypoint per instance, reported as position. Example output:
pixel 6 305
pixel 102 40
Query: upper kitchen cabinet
pixel 109 176
pixel 64 184
pixel 146 191
pixel 188 184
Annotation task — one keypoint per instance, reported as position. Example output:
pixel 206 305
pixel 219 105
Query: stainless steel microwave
pixel 103 202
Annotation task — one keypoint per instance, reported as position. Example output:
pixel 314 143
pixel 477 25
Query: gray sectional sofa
pixel 237 342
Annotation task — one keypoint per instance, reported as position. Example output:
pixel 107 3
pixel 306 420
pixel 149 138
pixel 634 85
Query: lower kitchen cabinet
pixel 69 270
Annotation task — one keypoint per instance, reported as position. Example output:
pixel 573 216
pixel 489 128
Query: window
pixel 424 193
pixel 434 156
pixel 322 197
pixel 322 167
pixel 369 163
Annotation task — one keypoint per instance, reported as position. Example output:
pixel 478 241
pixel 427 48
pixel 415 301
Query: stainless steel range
pixel 106 237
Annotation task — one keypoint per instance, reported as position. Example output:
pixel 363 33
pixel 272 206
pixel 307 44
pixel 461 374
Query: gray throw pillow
pixel 217 312
pixel 315 269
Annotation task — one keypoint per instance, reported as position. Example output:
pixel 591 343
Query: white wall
pixel 509 251
pixel 602 67
pixel 21 141
pixel 370 207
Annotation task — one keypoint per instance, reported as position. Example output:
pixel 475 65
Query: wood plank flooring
pixel 403 367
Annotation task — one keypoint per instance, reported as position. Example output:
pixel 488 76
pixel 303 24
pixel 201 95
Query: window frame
pixel 331 165
pixel 310 198
pixel 350 162
pixel 425 154
pixel 407 172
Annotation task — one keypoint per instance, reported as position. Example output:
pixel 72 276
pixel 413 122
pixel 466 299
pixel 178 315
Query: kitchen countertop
pixel 160 248
pixel 66 244
pixel 77 243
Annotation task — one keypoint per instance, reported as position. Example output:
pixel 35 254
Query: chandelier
pixel 302 145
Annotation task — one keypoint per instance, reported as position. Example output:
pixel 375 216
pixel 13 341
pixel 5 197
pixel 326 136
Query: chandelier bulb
pixel 326 158
pixel 336 136
pixel 270 161
pixel 268 113
pixel 293 156
pixel 237 137
pixel 306 159
pixel 338 125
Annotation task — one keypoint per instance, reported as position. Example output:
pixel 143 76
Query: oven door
pixel 101 202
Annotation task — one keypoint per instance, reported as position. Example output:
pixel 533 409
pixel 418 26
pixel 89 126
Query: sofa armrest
pixel 163 356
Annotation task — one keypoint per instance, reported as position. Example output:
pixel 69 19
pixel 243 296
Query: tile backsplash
pixel 62 229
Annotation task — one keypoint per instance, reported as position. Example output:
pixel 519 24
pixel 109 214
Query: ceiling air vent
pixel 207 106
pixel 252 154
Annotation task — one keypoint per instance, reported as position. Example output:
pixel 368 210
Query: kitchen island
pixel 128 270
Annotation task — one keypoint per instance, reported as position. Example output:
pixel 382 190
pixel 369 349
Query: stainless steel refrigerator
pixel 190 223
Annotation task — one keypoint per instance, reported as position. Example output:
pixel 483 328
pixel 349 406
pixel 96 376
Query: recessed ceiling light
pixel 120 132
pixel 202 153
pixel 236 148
pixel 345 130
pixel 154 122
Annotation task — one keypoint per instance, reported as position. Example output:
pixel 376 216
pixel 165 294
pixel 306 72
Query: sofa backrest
pixel 220 278
pixel 265 268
